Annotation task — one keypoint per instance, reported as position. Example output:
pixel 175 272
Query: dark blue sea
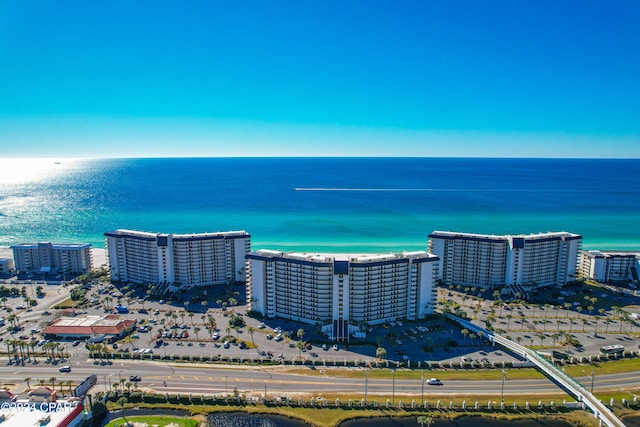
pixel 321 204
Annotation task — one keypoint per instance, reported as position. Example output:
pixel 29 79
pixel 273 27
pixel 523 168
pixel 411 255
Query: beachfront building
pixel 341 292
pixel 606 266
pixel 53 258
pixel 180 260
pixel 6 265
pixel 515 263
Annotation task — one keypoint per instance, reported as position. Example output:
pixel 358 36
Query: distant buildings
pixel 177 259
pixel 609 266
pixel 520 262
pixel 6 265
pixel 341 291
pixel 52 258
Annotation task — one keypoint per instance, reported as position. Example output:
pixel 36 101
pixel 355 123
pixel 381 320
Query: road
pixel 208 380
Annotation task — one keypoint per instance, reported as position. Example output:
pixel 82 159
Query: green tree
pixel 122 402
pixel 381 353
pixel 300 347
pixel 300 334
pixel 251 331
pixel 424 420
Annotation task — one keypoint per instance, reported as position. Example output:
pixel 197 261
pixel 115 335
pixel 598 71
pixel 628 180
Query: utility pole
pixel 504 375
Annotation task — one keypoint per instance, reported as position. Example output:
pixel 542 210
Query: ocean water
pixel 321 204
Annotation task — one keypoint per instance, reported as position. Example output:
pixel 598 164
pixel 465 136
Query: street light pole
pixel 422 384
pixel 366 383
pixel 393 389
pixel 226 393
pixel 592 375
pixel 504 375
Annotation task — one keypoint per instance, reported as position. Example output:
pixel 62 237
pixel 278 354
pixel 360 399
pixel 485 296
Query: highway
pixel 208 380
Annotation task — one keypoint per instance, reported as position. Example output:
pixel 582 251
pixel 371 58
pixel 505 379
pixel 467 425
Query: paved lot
pixel 429 340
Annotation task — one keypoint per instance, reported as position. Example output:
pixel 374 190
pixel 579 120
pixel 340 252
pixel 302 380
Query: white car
pixel 65 368
pixel 261 326
pixel 434 381
pixel 335 347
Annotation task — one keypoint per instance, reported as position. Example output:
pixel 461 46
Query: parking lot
pixel 174 329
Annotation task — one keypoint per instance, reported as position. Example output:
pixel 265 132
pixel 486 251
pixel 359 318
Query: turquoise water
pixel 331 204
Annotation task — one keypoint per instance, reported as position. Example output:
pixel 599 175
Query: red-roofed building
pixel 42 394
pixel 89 326
pixel 7 396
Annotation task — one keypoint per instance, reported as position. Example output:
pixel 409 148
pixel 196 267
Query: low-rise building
pixel 610 266
pixel 342 292
pixel 6 265
pixel 89 326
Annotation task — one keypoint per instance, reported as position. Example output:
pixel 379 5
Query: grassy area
pixel 407 374
pixel 155 421
pixel 68 303
pixel 604 368
pixel 325 417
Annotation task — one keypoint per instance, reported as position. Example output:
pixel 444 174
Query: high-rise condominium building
pixel 52 258
pixel 522 261
pixel 177 259
pixel 608 266
pixel 341 291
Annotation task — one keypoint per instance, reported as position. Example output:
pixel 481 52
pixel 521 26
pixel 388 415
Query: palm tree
pixel 424 420
pixel 300 347
pixel 465 333
pixel 195 331
pixel 300 334
pixel 123 401
pixel 191 317
pixel 41 381
pixel 27 380
pixel 567 306
pixel 53 382
pixel 542 338
pixel 251 331
pixel 381 353
pixel 68 383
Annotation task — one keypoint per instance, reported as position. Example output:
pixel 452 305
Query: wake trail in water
pixel 445 190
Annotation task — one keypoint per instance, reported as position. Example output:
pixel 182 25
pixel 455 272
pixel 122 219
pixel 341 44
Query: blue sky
pixel 347 78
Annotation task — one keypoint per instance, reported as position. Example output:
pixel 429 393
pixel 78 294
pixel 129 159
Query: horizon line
pixel 315 157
